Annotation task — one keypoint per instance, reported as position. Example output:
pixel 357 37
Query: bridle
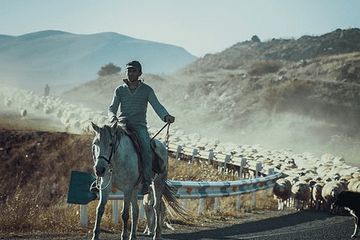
pixel 108 160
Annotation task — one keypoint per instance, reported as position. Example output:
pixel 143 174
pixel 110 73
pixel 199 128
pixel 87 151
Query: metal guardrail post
pixel 238 202
pixel 178 151
pixel 194 154
pixel 271 171
pixel 226 161
pixel 211 156
pixel 257 173
pixel 83 216
pixel 185 204
pixel 242 166
pixel 216 204
pixel 115 211
pixel 201 206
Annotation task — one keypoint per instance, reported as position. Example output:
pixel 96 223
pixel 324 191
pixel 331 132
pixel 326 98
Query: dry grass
pixel 264 67
pixel 286 90
pixel 36 200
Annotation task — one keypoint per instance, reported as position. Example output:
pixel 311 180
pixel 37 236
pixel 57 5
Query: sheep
pixel 282 191
pixel 301 194
pixel 354 185
pixel 293 179
pixel 356 175
pixel 330 192
pixel 317 198
pixel 23 113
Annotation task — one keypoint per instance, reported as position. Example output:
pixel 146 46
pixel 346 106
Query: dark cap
pixel 134 64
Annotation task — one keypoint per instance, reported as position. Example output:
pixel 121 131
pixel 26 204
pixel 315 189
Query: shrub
pixel 109 69
pixel 255 38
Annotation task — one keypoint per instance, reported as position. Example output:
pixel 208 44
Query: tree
pixel 109 69
pixel 255 38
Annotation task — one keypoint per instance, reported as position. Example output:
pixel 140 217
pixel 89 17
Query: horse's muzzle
pixel 99 171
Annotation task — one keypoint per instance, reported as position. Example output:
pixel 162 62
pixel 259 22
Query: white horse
pixel 117 165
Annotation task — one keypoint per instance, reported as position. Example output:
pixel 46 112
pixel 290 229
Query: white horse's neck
pixel 125 164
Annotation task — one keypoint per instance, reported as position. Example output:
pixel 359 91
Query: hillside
pixel 295 94
pixel 243 54
pixel 64 59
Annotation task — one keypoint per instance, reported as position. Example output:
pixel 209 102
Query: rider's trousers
pixel 146 155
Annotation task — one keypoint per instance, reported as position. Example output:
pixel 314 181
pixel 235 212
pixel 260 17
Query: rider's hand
pixel 169 119
pixel 113 120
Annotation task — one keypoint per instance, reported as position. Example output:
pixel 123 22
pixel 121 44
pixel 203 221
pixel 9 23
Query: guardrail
pixel 195 189
pixel 199 190
pixel 247 169
pixel 236 164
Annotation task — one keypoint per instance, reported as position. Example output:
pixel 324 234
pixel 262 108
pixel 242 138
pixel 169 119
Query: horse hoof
pixel 146 199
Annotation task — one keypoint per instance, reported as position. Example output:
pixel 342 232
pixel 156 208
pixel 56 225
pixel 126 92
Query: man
pixel 133 97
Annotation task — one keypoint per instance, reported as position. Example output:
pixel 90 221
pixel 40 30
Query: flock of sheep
pixel 310 181
pixel 72 117
pixel 317 187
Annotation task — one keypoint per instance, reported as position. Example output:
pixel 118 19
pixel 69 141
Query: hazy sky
pixel 200 26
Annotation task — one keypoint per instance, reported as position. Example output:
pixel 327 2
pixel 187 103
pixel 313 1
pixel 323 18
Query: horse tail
pixel 170 199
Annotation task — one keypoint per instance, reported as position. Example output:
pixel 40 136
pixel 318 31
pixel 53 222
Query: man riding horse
pixel 133 97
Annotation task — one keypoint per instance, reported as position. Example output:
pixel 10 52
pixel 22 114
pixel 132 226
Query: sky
pixel 199 26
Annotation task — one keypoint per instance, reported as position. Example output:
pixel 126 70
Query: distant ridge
pixel 60 58
pixel 336 42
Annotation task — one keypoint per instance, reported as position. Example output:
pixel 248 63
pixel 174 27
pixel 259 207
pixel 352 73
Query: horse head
pixel 102 148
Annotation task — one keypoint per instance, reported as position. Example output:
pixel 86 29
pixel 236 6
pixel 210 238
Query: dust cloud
pixel 275 131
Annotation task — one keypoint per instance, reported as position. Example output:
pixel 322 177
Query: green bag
pixel 79 188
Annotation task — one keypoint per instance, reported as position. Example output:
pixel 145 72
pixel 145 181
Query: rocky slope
pixel 302 94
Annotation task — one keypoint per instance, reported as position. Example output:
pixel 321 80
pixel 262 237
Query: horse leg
pixel 162 214
pixel 125 216
pixel 134 215
pixel 149 212
pixel 157 193
pixel 104 194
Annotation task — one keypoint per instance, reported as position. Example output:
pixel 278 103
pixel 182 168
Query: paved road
pixel 306 225
pixel 297 226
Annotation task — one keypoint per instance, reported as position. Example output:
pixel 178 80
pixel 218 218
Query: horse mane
pixel 122 127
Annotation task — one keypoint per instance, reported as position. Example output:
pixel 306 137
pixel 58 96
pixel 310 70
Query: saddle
pixel 158 163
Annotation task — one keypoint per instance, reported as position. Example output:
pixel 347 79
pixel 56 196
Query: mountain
pixel 61 58
pixel 301 94
pixel 290 50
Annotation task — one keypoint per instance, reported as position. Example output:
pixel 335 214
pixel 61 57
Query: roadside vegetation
pixel 34 178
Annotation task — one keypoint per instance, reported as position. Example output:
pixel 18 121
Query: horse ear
pixel 95 127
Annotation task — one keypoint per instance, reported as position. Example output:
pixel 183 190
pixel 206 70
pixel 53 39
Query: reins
pixel 167 134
